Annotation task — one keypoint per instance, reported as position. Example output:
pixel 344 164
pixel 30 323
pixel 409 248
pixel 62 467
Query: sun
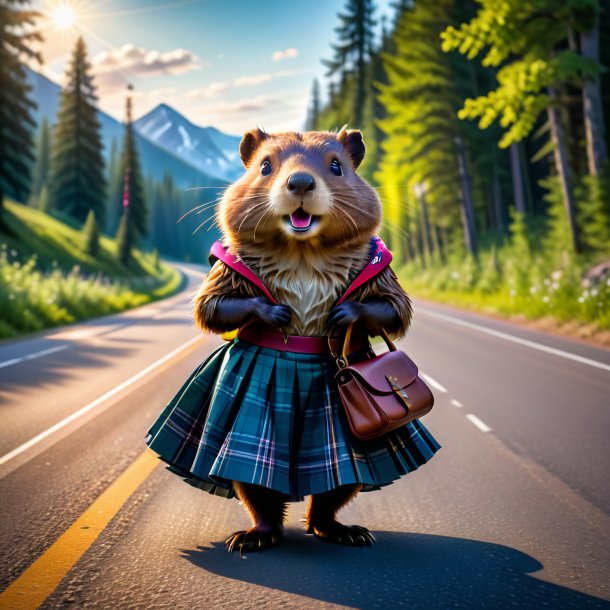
pixel 64 17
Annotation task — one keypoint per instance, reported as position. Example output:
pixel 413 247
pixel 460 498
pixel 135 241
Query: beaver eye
pixel 266 168
pixel 335 167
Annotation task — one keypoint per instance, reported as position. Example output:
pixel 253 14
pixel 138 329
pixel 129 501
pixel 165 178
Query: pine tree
pixel 531 43
pixel 124 239
pixel 91 234
pixel 165 200
pixel 423 135
pixel 43 202
pixel 77 166
pixel 374 109
pixel 16 122
pixel 353 51
pixel 557 245
pixel 593 197
pixel 40 173
pixel 133 188
pixel 597 151
pixel 115 188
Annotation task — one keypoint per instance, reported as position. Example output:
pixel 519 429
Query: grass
pixel 511 285
pixel 47 278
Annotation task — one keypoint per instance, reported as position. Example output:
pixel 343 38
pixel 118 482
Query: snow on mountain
pixel 206 148
pixel 156 160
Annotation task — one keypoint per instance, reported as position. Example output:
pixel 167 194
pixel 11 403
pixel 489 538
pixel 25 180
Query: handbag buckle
pixel 341 362
pixel 400 392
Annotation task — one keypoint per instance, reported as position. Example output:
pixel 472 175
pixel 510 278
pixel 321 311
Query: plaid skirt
pixel 258 415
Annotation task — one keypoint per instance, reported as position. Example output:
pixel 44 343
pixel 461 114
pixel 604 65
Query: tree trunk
pixel 515 166
pixel 561 164
pixel 592 106
pixel 437 244
pixel 428 245
pixel 496 195
pixel 466 205
pixel 421 244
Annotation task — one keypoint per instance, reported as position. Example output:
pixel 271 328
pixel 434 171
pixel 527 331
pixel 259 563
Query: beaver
pixel 302 219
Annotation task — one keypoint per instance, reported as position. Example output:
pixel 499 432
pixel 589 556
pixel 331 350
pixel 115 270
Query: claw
pixel 349 535
pixel 252 540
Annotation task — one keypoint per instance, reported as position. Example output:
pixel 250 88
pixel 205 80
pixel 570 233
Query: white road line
pixel 527 342
pixel 98 401
pixel 44 352
pixel 435 384
pixel 456 403
pixel 482 426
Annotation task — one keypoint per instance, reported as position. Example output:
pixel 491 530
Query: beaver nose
pixel 300 182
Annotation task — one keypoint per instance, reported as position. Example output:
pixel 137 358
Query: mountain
pixel 206 148
pixel 156 160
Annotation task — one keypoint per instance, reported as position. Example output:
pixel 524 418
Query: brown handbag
pixel 381 393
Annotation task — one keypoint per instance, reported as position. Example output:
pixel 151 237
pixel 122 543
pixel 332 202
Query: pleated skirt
pixel 271 418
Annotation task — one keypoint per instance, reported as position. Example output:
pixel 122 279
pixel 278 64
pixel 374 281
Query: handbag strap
pixel 342 362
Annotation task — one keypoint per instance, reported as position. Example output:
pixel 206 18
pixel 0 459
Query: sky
pixel 231 64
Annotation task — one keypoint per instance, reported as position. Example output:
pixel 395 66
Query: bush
pixel 31 300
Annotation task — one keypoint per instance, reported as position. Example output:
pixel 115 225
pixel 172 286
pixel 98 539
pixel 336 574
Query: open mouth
pixel 301 221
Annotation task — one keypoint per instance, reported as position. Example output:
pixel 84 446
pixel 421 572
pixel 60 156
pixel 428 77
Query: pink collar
pixel 380 258
pixel 231 260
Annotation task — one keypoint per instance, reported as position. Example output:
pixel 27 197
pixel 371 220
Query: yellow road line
pixel 33 587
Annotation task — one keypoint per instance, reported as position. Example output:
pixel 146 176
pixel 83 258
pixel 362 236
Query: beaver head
pixel 301 190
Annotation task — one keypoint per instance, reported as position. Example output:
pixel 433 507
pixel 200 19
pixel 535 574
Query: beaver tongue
pixel 300 219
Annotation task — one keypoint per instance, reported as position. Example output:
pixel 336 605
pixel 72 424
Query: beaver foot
pixel 254 539
pixel 349 535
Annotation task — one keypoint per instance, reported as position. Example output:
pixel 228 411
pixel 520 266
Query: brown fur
pixel 324 507
pixel 309 274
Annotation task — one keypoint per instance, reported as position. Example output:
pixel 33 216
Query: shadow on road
pixel 60 368
pixel 410 570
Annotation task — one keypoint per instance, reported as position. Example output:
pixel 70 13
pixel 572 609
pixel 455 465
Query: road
pixel 513 511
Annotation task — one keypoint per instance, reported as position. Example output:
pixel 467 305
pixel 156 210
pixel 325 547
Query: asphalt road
pixel 513 512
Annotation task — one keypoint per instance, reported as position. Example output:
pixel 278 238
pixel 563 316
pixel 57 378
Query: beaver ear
pixel 351 140
pixel 249 144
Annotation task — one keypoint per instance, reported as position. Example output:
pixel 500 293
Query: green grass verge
pixel 47 278
pixel 514 288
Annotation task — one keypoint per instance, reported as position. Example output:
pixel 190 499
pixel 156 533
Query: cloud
pixel 139 62
pixel 286 54
pixel 281 111
pixel 213 90
pixel 256 79
pixel 254 104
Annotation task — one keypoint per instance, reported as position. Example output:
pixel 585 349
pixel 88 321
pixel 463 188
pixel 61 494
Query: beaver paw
pixel 250 540
pixel 349 535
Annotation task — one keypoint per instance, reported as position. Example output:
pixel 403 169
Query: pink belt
pixel 294 343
